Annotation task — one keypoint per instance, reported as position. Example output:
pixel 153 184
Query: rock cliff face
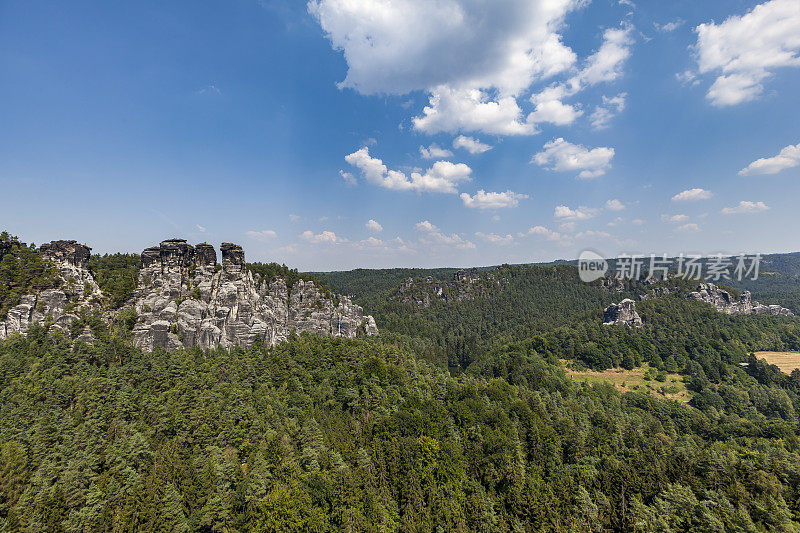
pixel 725 303
pixel 622 313
pixel 56 306
pixel 184 300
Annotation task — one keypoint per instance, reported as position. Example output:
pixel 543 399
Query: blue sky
pixel 576 125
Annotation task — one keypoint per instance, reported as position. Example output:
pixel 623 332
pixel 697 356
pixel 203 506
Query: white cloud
pixel 475 58
pixel 492 200
pixel 433 235
pixel 370 242
pixel 669 26
pixel 674 219
pixel 580 213
pixel 348 178
pixel 688 228
pixel 606 64
pixel 200 228
pixel 374 226
pixel 637 222
pixel 293 217
pixel 326 237
pixel 264 235
pixel 434 152
pixel 593 234
pixel 745 50
pixel 453 110
pixel 494 238
pixel 560 155
pixel 745 207
pixel 399 47
pixel 787 158
pixel 609 109
pixel 470 144
pixel 692 195
pixel 548 234
pixel 554 111
pixel 615 205
pixel 442 177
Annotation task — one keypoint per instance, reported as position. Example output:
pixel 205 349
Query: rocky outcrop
pixel 57 307
pixel 622 313
pixel 469 276
pixel 724 302
pixel 184 300
pixel 465 285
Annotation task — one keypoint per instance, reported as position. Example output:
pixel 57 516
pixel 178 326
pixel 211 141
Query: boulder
pixel 622 313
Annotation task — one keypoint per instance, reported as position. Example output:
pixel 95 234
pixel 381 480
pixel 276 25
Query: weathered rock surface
pixel 622 313
pixel 724 302
pixel 183 300
pixel 56 306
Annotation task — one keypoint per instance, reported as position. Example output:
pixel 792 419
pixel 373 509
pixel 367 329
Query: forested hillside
pixel 334 435
pixel 458 417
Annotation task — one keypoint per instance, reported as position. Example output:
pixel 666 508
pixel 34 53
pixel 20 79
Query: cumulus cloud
pixel 787 158
pixel 452 110
pixel 348 178
pixel 492 200
pixel 615 205
pixel 744 50
pixel 548 234
pixel 442 177
pixel 431 234
pixel 494 238
pixel 605 65
pixel 592 234
pixel 434 152
pixel 610 108
pixel 396 47
pixel 553 111
pixel 562 156
pixel 470 144
pixel 326 237
pixel 579 213
pixel 669 26
pixel 692 195
pixel 474 58
pixel 688 228
pixel 745 207
pixel 374 226
pixel 265 235
pixel 674 219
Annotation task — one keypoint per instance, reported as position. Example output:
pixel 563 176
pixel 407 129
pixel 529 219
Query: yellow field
pixel 786 361
pixel 634 380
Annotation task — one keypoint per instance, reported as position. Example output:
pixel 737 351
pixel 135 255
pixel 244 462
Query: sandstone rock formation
pixel 56 306
pixel 184 300
pixel 724 302
pixel 622 313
